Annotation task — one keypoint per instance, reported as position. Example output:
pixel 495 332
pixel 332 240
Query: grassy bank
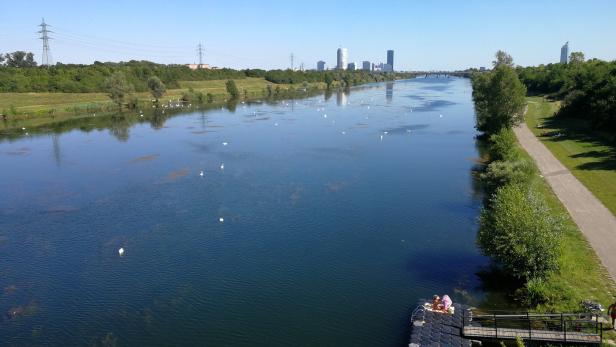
pixel 581 275
pixel 36 109
pixel 586 152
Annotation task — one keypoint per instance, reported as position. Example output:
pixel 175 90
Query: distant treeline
pixel 19 73
pixel 587 88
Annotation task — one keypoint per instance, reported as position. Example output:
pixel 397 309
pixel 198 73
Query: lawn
pixel 35 109
pixel 584 151
pixel 35 102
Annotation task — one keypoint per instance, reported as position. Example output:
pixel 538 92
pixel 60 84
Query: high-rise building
pixel 366 65
pixel 320 65
pixel 390 58
pixel 351 67
pixel 343 56
pixel 564 53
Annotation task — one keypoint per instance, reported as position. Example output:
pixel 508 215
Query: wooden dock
pixel 480 333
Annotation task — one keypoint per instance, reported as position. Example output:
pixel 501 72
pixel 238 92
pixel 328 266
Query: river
pixel 331 217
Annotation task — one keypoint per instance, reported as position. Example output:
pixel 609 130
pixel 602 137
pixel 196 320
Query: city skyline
pixel 423 43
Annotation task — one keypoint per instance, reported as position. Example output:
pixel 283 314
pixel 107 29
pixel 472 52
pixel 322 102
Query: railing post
pixel 565 330
pixel 530 327
pixel 600 333
pixel 495 327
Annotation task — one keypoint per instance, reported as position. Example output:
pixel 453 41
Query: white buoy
pixel 222 166
pixel 121 251
pixel 324 116
pixel 201 174
pixel 344 133
pixel 275 124
pixel 221 220
pixel 224 143
pixel 381 137
pixel 23 128
pixel 385 132
pixel 440 116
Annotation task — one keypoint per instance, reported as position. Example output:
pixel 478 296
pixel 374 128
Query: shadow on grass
pixel 566 129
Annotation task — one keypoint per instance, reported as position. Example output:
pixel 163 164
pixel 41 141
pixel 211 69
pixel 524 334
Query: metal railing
pixel 558 327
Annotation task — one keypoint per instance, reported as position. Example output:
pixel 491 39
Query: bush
pixel 501 173
pixel 232 89
pixel 520 232
pixel 503 146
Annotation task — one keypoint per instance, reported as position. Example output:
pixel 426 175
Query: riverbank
pixel 587 153
pixel 41 109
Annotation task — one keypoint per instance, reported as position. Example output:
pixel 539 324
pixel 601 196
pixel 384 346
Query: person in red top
pixel 612 312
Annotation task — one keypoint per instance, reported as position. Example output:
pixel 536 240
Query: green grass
pixel 36 109
pixel 583 151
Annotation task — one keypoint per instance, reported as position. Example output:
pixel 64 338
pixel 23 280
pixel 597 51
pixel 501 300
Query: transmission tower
pixel 200 51
pixel 45 37
pixel 292 61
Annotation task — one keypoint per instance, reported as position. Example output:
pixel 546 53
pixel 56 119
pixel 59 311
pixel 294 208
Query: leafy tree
pixel 2 58
pixel 502 58
pixel 499 99
pixel 118 89
pixel 156 87
pixel 232 89
pixel 576 57
pixel 20 59
pixel 520 232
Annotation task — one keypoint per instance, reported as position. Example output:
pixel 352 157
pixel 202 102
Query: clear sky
pixel 426 35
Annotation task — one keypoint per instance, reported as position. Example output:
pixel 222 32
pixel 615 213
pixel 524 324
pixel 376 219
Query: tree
pixel 521 233
pixel 502 58
pixel 232 89
pixel 576 57
pixel 499 99
pixel 156 87
pixel 118 89
pixel 2 59
pixel 20 59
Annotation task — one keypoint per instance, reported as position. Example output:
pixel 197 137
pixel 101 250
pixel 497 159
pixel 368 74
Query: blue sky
pixel 426 35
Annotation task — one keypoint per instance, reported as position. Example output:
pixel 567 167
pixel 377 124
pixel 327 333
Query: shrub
pixel 500 173
pixel 503 145
pixel 520 232
pixel 232 89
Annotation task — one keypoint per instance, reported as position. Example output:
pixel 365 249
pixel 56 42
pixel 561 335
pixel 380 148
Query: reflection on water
pixel 332 227
pixel 389 91
pixel 342 97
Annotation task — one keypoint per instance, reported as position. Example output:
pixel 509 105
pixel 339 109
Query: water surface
pixel 340 212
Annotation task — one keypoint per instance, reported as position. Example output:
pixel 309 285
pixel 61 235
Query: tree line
pixel 516 228
pixel 587 88
pixel 20 73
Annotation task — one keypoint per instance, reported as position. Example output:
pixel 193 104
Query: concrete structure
pixel 342 58
pixel 351 67
pixel 482 68
pixel 320 65
pixel 390 58
pixel 366 66
pixel 387 68
pixel 564 53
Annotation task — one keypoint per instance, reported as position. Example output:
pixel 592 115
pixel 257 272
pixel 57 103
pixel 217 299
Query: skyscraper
pixel 320 65
pixel 390 58
pixel 351 67
pixel 343 55
pixel 366 65
pixel 564 53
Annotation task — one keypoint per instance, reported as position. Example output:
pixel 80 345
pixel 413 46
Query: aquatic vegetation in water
pixel 145 158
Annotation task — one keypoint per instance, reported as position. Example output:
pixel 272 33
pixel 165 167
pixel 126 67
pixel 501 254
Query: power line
pixel 45 37
pixel 200 51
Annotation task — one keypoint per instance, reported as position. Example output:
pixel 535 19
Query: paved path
pixel 595 221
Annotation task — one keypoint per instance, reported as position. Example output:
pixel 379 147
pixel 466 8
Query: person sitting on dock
pixel 446 303
pixel 436 303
